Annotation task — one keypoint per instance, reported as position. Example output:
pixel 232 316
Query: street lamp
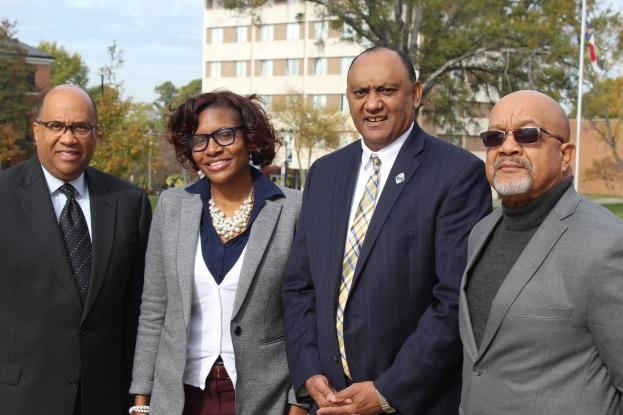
pixel 287 137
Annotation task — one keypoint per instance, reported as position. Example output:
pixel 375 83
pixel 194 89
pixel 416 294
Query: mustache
pixel 513 159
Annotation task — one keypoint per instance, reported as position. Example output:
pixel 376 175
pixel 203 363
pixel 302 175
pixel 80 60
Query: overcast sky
pixel 161 39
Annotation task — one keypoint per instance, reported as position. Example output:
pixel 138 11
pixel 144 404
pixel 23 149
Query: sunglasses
pixel 526 135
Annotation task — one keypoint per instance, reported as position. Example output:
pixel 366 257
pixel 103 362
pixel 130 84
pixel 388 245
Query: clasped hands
pixel 359 398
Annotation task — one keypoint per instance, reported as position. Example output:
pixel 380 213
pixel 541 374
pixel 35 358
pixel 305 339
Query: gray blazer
pixel 554 340
pixel 263 383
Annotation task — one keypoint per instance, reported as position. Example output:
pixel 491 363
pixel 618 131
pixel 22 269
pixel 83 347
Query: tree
pixel 66 68
pixel 313 126
pixel 122 142
pixel 466 48
pixel 169 96
pixel 17 100
pixel 607 170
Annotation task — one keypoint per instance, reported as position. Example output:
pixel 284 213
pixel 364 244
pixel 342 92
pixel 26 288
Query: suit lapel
pixel 261 233
pixel 524 269
pixel 342 200
pixel 407 163
pixel 467 331
pixel 37 204
pixel 187 243
pixel 103 217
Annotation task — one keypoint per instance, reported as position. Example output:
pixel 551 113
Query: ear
pixel 35 130
pixel 417 94
pixel 567 151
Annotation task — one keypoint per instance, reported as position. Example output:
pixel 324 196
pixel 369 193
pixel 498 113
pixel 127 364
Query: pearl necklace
pixel 228 227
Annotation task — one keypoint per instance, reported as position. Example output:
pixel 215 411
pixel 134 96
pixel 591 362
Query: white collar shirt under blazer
pixel 388 157
pixel 59 199
pixel 209 335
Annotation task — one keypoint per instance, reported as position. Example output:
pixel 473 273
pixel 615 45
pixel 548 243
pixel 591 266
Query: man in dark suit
pixel 72 243
pixel 372 287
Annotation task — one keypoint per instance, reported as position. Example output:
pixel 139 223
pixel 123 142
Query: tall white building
pixel 291 50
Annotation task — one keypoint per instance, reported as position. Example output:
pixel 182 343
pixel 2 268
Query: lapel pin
pixel 400 178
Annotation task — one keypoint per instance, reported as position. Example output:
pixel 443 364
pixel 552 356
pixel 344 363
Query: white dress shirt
pixel 210 317
pixel 59 199
pixel 388 157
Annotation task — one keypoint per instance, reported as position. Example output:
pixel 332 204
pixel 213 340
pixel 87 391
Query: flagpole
pixel 578 118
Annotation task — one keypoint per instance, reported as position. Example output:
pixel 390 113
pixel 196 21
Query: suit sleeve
pixel 134 289
pixel 299 302
pixel 604 307
pixel 433 348
pixel 152 311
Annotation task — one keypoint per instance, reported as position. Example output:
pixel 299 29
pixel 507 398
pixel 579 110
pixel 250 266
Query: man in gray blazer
pixel 541 307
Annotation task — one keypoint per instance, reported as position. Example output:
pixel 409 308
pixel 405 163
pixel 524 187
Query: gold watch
pixel 387 408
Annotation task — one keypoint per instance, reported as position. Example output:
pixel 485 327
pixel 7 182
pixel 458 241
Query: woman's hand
pixel 297 410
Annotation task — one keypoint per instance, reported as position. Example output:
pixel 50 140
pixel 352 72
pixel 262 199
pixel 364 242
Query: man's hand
pixel 364 401
pixel 323 393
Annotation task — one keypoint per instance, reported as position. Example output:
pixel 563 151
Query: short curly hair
pixel 258 131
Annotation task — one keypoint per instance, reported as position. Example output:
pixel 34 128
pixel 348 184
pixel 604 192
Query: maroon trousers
pixel 218 398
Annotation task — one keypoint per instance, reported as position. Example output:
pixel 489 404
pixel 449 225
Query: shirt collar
pixel 264 187
pixel 55 183
pixel 386 154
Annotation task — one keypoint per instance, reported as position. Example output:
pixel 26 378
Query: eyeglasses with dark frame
pixel 58 128
pixel 224 137
pixel 525 135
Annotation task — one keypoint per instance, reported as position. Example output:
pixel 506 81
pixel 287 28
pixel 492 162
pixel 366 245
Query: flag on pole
pixel 590 37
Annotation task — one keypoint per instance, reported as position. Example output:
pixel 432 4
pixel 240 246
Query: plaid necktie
pixel 354 243
pixel 77 240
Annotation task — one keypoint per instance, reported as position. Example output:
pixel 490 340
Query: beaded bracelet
pixel 143 409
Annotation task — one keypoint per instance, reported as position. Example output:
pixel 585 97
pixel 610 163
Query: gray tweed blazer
pixel 553 344
pixel 263 384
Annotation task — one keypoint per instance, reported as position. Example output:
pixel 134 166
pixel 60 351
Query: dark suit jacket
pixel 401 319
pixel 49 346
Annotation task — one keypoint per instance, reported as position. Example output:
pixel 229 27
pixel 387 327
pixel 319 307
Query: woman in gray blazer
pixel 210 337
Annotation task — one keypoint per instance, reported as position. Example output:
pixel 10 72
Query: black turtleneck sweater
pixel 504 247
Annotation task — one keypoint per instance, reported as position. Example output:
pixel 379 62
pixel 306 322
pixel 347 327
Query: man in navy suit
pixel 372 288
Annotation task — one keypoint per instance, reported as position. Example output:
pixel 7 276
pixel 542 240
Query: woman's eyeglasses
pixel 526 135
pixel 225 136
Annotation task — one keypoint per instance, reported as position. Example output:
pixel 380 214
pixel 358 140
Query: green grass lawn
pixel 616 208
pixel 153 200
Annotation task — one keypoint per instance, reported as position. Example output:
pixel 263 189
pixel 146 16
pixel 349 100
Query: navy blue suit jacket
pixel 401 320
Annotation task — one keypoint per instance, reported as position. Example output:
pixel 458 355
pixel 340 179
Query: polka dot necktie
pixel 77 240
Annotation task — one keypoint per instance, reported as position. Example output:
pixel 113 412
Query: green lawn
pixel 153 200
pixel 616 208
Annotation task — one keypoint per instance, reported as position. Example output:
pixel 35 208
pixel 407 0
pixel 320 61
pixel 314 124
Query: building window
pixel 217 4
pixel 294 1
pixel 292 67
pixel 346 61
pixel 266 68
pixel 267 33
pixel 241 34
pixel 293 31
pixel 216 70
pixel 319 100
pixel 320 66
pixel 217 35
pixel 344 104
pixel 241 68
pixel 267 101
pixel 321 30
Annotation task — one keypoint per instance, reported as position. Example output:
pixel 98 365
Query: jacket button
pixel 237 331
pixel 83 332
pixel 73 382
pixel 335 358
pixel 478 371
